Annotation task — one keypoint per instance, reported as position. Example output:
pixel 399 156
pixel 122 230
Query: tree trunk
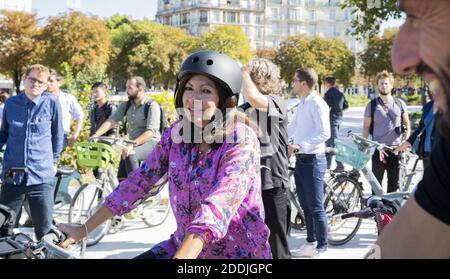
pixel 16 82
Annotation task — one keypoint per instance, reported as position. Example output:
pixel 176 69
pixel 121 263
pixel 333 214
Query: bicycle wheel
pixel 155 209
pixel 297 219
pixel 69 186
pixel 344 196
pixel 84 204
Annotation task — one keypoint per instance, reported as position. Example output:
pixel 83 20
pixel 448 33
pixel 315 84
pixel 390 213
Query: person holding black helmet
pixel 211 158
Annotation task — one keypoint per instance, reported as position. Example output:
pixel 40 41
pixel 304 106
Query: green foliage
pixel 20 43
pixel 230 40
pixel 369 14
pixel 166 100
pixel 357 100
pixel 377 56
pixel 77 39
pixel 413 100
pixel 79 85
pixel 326 56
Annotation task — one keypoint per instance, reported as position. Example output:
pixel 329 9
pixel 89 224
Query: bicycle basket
pixel 351 155
pixel 94 154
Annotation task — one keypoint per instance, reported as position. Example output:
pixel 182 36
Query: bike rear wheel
pixel 86 201
pixel 345 196
pixel 297 218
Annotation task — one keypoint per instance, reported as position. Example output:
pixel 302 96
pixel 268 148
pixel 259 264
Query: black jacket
pixel 337 103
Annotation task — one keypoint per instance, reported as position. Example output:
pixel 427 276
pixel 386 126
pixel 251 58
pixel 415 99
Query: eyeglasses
pixel 34 80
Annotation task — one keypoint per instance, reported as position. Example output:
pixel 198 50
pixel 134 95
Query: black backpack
pixel 163 120
pixel 373 107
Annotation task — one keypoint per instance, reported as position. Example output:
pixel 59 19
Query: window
pixel 246 18
pixel 259 33
pixel 311 3
pixel 293 29
pixel 275 29
pixel 332 30
pixel 312 15
pixel 332 14
pixel 276 2
pixel 203 16
pixel 312 30
pixel 258 19
pixel 184 19
pixel 274 12
pixel 294 14
pixel 231 17
pixel 216 16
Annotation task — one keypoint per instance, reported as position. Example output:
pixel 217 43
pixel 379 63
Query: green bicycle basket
pixel 351 155
pixel 94 154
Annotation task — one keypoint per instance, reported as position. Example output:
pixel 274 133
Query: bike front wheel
pixel 343 196
pixel 86 201
pixel 156 209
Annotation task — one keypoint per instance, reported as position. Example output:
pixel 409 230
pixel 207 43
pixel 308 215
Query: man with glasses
pixel 32 129
pixel 310 129
pixel 421 229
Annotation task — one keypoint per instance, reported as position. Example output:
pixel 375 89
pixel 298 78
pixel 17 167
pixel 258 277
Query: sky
pixel 138 9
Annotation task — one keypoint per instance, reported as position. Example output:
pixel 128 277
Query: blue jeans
pixel 40 198
pixel 309 172
pixel 331 142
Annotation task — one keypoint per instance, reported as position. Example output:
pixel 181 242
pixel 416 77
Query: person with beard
pixel 214 180
pixel 383 119
pixel 144 129
pixel 421 228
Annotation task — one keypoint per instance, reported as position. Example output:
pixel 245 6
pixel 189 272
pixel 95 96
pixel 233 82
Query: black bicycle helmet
pixel 214 64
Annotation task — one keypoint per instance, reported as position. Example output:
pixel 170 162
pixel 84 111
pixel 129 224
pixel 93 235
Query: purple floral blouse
pixel 216 196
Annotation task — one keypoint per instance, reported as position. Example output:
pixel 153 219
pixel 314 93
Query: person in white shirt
pixel 71 109
pixel 310 129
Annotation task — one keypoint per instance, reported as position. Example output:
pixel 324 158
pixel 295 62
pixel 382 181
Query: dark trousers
pixel 331 142
pixel 275 206
pixel 309 172
pixel 40 198
pixel 131 162
pixel 391 166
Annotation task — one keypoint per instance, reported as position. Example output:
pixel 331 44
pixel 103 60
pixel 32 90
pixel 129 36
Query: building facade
pixel 265 22
pixel 16 5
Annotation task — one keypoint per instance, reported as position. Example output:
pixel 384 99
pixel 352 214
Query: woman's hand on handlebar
pixel 74 232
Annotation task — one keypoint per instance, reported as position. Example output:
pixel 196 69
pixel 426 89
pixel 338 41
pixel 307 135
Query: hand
pixel 127 151
pixel 401 148
pixel 292 148
pixel 72 139
pixel 93 137
pixel 74 233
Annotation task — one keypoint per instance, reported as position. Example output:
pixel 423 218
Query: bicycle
pixel 21 246
pixel 406 174
pixel 100 155
pixel 357 156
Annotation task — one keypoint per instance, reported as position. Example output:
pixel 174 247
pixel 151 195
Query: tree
pixel 369 14
pixel 267 53
pixel 325 56
pixel 377 56
pixel 149 49
pixel 230 40
pixel 77 39
pixel 19 44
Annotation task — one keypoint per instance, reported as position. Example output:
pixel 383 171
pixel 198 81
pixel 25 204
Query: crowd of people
pixel 226 165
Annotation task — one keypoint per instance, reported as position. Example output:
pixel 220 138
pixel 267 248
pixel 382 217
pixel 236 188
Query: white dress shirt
pixel 310 127
pixel 70 109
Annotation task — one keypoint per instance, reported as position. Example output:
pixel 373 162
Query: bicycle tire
pixel 89 193
pixel 297 218
pixel 156 209
pixel 333 205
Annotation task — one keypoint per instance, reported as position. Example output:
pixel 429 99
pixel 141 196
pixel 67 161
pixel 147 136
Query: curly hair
pixel 266 76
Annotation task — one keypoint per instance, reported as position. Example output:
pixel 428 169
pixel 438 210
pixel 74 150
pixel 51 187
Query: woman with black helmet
pixel 211 159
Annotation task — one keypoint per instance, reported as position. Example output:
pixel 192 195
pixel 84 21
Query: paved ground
pixel 136 237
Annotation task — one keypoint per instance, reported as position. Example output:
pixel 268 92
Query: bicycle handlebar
pixel 379 146
pixel 118 141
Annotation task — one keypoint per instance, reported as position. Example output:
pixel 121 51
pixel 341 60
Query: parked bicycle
pixel 357 155
pixel 407 174
pixel 100 155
